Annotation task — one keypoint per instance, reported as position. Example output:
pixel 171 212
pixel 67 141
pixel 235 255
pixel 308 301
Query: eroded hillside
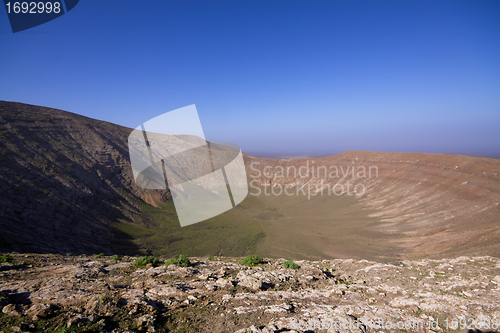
pixel 64 179
pixel 433 204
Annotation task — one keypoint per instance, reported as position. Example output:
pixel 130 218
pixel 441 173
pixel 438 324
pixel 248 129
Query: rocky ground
pixel 55 293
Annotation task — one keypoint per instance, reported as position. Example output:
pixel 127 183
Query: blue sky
pixel 318 77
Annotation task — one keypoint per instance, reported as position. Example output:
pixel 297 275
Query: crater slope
pixel 432 204
pixel 66 185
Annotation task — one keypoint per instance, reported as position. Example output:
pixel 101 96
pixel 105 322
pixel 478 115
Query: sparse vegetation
pixel 211 258
pixel 142 262
pixel 6 258
pixel 182 261
pixel 115 257
pixel 341 280
pixel 100 255
pixel 221 238
pixel 252 260
pixel 64 330
pixel 102 298
pixel 290 264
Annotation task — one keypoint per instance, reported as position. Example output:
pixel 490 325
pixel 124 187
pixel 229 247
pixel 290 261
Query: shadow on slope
pixel 64 179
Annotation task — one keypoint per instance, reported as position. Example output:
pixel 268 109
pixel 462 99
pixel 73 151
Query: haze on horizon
pixel 286 77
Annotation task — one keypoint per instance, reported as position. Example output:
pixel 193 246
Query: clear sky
pixel 317 77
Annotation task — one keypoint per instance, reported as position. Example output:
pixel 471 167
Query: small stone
pixel 223 283
pixel 269 329
pixel 251 283
pixel 146 321
pixel 210 286
pixel 42 310
pixel 93 318
pixel 73 321
pixel 10 310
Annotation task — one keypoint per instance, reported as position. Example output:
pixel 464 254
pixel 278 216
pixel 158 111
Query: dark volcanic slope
pixel 64 179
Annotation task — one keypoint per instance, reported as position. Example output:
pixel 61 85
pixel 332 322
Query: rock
pixel 251 329
pixel 251 283
pixel 133 296
pixel 269 329
pixel 223 283
pixel 147 321
pixel 241 275
pixel 203 277
pixel 266 329
pixel 162 292
pixel 93 318
pixel 74 320
pixel 10 310
pixel 222 272
pixel 42 310
pixel 210 286
pixel 402 302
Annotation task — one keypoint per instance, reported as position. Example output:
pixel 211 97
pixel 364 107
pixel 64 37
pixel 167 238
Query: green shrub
pixel 252 260
pixel 100 255
pixel 115 257
pixel 211 258
pixel 142 262
pixel 172 261
pixel 290 264
pixel 6 258
pixel 181 261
